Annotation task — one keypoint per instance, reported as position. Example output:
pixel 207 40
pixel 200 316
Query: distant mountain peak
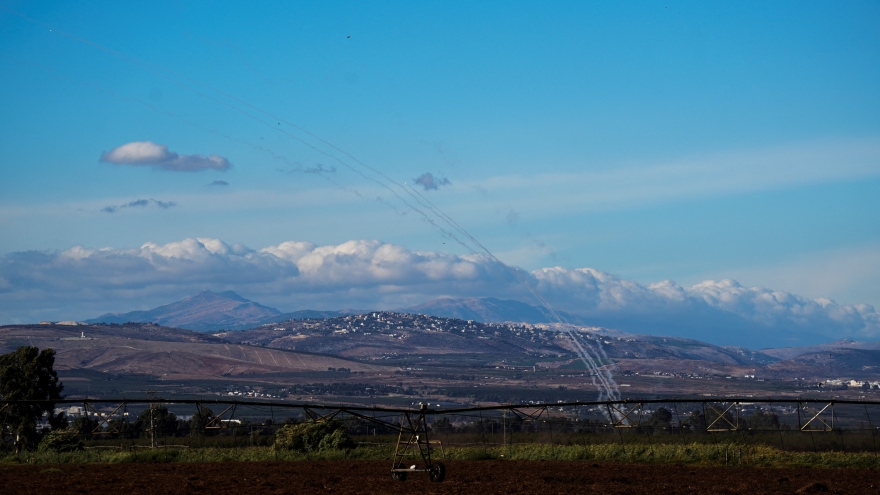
pixel 206 311
pixel 209 294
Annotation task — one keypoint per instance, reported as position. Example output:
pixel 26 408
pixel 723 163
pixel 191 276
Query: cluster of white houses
pixel 852 383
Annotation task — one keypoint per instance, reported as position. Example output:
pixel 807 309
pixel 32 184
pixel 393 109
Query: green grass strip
pixel 718 454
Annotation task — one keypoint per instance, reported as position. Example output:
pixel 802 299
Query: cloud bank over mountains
pixel 80 282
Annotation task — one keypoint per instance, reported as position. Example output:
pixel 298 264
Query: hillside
pixel 840 345
pixel 384 334
pixel 206 311
pixel 162 352
pixel 487 310
pixel 836 362
pixel 363 354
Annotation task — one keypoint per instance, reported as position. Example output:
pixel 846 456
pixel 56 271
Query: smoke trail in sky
pixel 593 356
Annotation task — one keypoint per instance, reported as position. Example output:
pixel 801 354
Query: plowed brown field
pixel 479 477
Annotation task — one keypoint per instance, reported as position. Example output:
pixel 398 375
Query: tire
pixel 398 476
pixel 438 472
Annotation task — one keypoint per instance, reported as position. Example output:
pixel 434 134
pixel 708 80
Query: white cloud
pixel 372 263
pixel 843 274
pixel 705 308
pixel 375 275
pixel 151 154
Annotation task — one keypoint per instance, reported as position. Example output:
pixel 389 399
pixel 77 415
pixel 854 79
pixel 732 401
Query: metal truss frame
pixel 105 419
pixel 816 416
pixel 620 417
pixel 216 420
pixel 413 442
pixel 721 417
pixel 524 415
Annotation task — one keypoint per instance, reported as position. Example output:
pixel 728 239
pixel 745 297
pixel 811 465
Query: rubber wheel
pixel 438 472
pixel 398 476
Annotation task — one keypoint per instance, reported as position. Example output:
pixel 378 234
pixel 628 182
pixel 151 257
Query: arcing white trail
pixel 593 356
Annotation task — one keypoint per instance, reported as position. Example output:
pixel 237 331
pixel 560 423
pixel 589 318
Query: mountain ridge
pixel 208 311
pixel 450 353
pixel 489 310
pixel 205 311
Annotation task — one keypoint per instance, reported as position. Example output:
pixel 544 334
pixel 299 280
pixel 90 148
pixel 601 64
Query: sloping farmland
pixel 114 350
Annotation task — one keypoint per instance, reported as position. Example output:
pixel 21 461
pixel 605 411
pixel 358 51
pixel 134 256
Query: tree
pixel 84 426
pixel 313 437
pixel 157 421
pixel 763 421
pixel 61 440
pixel 123 428
pixel 661 418
pixel 696 421
pixel 442 425
pixel 27 374
pixel 199 421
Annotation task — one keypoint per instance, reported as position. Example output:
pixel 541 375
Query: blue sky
pixel 682 141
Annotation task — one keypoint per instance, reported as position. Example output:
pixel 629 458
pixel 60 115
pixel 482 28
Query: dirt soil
pixel 480 477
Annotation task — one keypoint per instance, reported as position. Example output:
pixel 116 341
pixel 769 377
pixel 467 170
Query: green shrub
pixel 63 440
pixel 313 437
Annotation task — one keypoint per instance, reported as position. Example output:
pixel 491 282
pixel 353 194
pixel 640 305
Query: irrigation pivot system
pixel 419 428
